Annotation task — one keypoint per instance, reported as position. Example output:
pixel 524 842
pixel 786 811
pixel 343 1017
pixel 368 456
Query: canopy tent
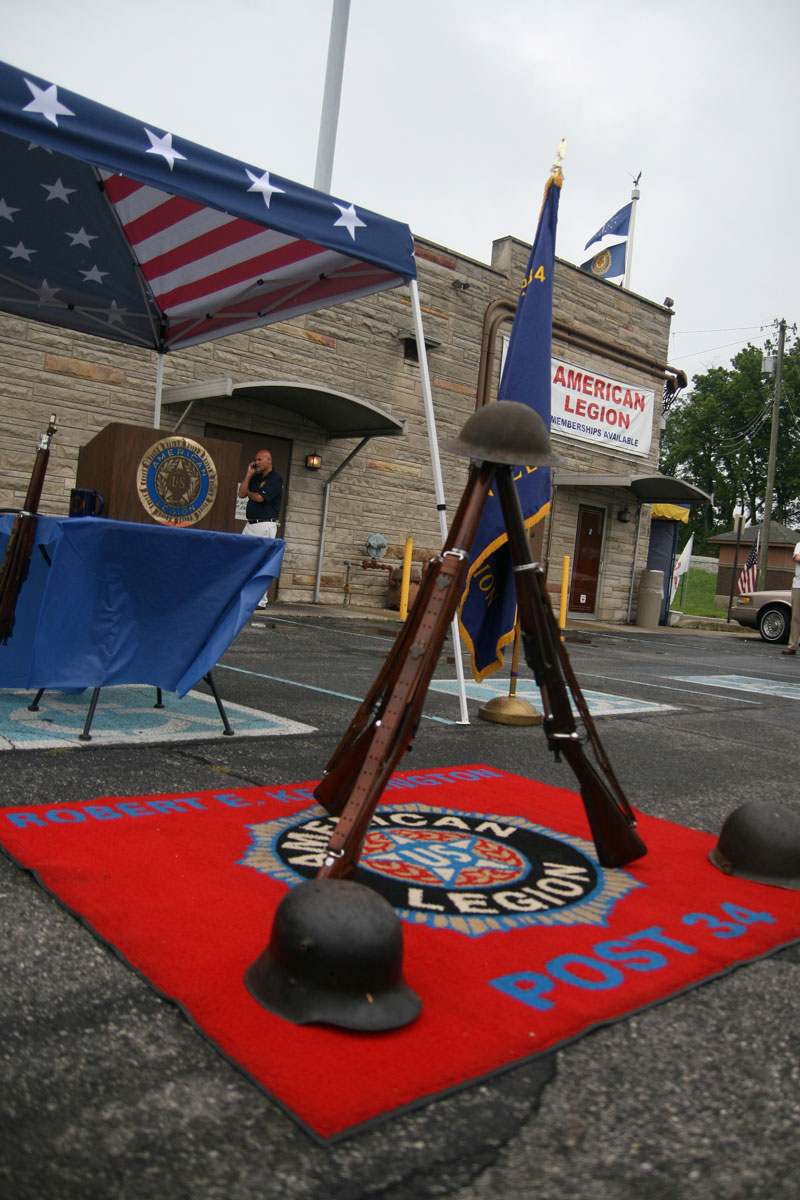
pixel 129 233
pixel 123 230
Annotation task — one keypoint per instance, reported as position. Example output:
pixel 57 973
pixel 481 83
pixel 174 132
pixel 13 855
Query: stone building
pixel 343 384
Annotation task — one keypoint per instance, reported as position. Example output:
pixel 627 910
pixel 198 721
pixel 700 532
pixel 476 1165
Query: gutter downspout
pixel 635 556
pixel 326 495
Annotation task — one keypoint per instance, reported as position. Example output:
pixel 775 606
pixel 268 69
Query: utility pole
pixel 773 454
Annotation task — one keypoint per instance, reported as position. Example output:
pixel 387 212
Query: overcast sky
pixel 452 111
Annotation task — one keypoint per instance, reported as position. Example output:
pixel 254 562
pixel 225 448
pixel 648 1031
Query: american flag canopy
pixel 119 228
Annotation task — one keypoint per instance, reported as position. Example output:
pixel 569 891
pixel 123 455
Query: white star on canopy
pixel 46 102
pixel 81 237
pixel 263 186
pixel 349 219
pixel 47 294
pixel 20 251
pixel 58 191
pixel 163 146
pixel 94 276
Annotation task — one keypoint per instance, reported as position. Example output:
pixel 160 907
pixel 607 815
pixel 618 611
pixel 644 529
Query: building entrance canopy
pixel 647 489
pixel 338 414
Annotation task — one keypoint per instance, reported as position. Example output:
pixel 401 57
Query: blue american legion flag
pixel 618 224
pixel 747 578
pixel 607 263
pixel 488 607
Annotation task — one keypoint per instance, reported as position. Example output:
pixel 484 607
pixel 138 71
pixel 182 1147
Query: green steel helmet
pixel 335 956
pixel 760 840
pixel 506 432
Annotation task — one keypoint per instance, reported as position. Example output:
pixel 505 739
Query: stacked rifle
pixel 17 559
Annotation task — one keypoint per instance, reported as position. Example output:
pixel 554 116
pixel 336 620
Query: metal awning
pixel 647 489
pixel 337 413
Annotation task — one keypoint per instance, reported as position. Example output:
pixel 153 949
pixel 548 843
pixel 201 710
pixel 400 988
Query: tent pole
pixel 159 385
pixel 437 478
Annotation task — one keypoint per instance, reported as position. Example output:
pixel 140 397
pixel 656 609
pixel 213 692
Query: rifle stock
pixel 17 558
pixel 386 722
pixel 611 818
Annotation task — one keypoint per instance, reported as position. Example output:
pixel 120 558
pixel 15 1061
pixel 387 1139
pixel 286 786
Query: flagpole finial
pixel 561 153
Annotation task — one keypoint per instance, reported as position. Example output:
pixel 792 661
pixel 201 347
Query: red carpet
pixel 514 938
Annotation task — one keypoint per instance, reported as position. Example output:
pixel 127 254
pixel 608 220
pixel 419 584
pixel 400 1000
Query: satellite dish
pixel 376 546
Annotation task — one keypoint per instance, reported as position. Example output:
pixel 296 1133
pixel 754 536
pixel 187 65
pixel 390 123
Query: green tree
pixel 718 435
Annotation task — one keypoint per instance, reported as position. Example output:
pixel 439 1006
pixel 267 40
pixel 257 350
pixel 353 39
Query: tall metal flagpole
pixel 331 97
pixel 635 194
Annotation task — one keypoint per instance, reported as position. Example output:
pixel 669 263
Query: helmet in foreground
pixel 760 840
pixel 335 956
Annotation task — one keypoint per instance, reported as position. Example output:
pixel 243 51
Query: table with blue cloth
pixel 114 602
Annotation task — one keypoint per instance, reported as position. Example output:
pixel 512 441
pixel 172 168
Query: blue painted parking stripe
pixel 745 683
pixel 665 687
pixel 312 688
pixel 600 704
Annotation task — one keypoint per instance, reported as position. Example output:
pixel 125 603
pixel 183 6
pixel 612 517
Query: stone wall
pixel 354 348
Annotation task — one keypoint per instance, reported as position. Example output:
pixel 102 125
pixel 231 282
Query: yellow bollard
pixel 406 580
pixel 562 611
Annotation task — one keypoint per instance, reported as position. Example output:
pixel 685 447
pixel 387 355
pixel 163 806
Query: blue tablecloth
pixel 110 602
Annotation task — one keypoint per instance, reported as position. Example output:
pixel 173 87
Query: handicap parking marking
pixel 126 715
pixel 745 683
pixel 600 704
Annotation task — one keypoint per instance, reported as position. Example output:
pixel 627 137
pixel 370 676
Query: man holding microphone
pixel 262 488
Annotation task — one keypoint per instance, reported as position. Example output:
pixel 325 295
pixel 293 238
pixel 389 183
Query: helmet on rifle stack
pixel 760 840
pixel 506 432
pixel 335 956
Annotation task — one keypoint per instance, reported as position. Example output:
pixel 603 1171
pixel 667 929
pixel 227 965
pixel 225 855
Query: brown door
pixel 586 570
pixel 281 451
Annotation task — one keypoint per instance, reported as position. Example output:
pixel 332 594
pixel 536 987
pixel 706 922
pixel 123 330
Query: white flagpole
pixel 329 120
pixel 635 194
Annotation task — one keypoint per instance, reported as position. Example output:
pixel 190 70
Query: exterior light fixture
pixel 624 515
pixel 313 461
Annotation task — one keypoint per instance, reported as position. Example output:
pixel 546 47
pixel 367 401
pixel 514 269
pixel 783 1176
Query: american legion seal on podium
pixel 177 481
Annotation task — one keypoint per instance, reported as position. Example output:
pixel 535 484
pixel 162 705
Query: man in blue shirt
pixel 262 488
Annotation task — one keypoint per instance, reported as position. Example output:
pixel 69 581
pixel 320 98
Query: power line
pixel 710 350
pixel 724 329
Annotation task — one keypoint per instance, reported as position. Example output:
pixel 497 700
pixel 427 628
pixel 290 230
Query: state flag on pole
pixel 747 578
pixel 607 263
pixel 488 610
pixel 619 224
pixel 681 567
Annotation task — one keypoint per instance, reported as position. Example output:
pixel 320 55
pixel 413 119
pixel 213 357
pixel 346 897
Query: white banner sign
pixel 593 408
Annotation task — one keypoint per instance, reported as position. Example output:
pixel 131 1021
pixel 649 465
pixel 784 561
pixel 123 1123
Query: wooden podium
pixel 109 464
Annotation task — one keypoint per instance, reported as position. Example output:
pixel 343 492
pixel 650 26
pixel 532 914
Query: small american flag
pixel 747 579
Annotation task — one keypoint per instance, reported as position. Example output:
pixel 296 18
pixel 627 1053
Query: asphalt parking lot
pixel 109 1092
